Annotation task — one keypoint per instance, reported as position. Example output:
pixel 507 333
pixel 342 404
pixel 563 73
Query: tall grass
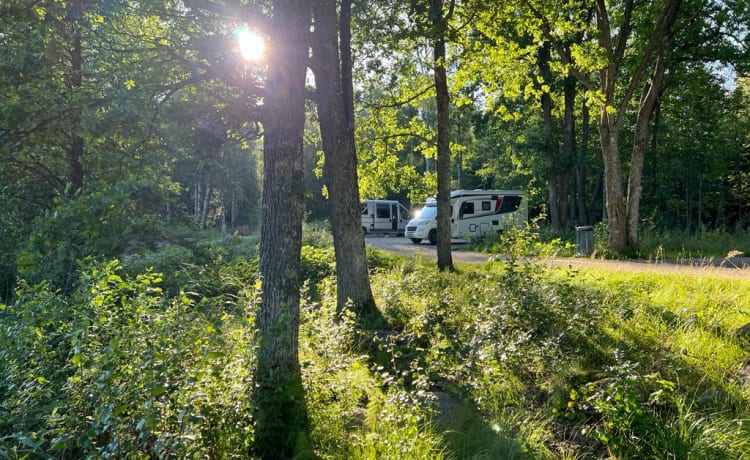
pixel 692 246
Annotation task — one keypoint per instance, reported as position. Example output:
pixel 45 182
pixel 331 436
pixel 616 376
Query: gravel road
pixel 737 267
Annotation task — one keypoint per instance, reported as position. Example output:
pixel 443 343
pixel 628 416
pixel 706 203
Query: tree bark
pixel 340 167
pixel 583 209
pixel 280 418
pixel 442 98
pixel 197 204
pixel 550 146
pixel 568 152
pixel 624 215
pixel 613 188
pixel 650 95
pixel 204 206
pixel 75 150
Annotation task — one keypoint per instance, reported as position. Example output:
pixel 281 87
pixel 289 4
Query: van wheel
pixel 433 237
pixel 416 240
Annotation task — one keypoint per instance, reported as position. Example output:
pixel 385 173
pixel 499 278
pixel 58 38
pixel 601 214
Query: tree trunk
pixel 442 98
pixel 76 148
pixel 551 160
pixel 197 204
pixel 613 189
pixel 583 210
pixel 223 212
pixel 623 216
pixel 204 207
pixel 233 211
pixel 340 167
pixel 650 95
pixel 569 151
pixel 280 417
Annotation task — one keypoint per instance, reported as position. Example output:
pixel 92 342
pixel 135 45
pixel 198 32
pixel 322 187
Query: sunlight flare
pixel 252 46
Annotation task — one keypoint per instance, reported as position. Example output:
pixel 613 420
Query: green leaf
pixel 77 359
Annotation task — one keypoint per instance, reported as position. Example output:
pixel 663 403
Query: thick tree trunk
pixel 340 167
pixel 280 417
pixel 613 189
pixel 442 98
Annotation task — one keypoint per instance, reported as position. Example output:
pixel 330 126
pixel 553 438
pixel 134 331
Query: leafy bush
pixel 529 241
pixel 117 369
pixel 100 224
pixel 316 263
pixel 317 234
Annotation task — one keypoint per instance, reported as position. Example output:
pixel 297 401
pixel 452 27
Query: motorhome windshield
pixel 428 212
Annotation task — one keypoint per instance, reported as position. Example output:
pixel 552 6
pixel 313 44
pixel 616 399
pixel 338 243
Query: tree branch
pixel 405 101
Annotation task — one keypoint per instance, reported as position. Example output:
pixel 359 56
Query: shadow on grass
pixel 463 430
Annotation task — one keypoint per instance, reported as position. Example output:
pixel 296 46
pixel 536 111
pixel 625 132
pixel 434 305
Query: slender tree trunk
pixel 204 208
pixel 76 148
pixel 340 167
pixel 569 151
pixel 583 210
pixel 550 146
pixel 280 418
pixel 197 203
pixel 624 215
pixel 223 212
pixel 233 210
pixel 442 98
pixel 650 95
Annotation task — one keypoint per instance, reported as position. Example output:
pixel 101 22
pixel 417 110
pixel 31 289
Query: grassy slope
pixel 589 365
pixel 501 361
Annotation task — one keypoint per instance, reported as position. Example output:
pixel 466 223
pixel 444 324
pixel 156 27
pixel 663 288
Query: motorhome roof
pixel 458 193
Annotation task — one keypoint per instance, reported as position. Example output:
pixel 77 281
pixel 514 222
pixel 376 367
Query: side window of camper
pixel 486 205
pixel 510 203
pixel 467 207
pixel 383 211
pixel 363 209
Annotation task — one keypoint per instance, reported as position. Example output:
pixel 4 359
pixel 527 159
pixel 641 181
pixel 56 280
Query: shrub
pixel 101 223
pixel 117 369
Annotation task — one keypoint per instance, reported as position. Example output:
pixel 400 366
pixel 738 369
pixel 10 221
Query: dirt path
pixel 717 267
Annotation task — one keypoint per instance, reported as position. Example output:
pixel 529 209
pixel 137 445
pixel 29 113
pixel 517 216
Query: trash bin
pixel 585 240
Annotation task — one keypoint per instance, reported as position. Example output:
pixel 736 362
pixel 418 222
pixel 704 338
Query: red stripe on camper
pixel 498 203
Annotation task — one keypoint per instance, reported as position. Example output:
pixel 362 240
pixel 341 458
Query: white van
pixel 383 217
pixel 474 213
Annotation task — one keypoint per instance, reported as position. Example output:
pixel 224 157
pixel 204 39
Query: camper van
pixel 474 213
pixel 383 217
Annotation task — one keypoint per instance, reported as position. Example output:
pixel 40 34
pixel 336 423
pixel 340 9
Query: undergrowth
pixel 508 360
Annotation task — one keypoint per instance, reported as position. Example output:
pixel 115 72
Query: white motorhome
pixel 383 217
pixel 474 213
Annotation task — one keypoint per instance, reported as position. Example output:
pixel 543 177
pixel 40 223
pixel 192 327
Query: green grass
pixel 507 360
pixel 654 245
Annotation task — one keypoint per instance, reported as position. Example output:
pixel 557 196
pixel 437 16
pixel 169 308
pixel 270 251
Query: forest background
pixel 122 123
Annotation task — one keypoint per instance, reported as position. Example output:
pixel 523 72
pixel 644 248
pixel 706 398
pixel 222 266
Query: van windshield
pixel 428 212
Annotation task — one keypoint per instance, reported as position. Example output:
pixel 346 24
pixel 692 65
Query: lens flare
pixel 251 44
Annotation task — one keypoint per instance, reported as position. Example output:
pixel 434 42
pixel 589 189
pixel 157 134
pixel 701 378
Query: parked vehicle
pixel 474 213
pixel 383 217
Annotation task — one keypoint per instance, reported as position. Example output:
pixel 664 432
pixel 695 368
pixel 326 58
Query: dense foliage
pixel 503 361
